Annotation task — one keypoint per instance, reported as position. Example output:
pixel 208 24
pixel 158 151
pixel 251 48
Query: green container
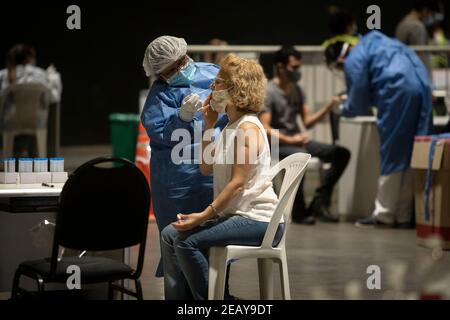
pixel 124 132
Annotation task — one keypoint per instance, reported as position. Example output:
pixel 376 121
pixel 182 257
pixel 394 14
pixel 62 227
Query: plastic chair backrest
pixel 25 106
pixel 103 208
pixel 294 168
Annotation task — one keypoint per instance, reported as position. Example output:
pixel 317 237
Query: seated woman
pixel 244 199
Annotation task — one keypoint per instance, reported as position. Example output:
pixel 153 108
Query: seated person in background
pixel 215 57
pixel 284 102
pixel 244 199
pixel 21 68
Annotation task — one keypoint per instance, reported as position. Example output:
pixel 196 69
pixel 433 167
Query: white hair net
pixel 162 52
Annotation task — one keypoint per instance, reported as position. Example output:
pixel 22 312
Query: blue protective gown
pixel 384 73
pixel 177 187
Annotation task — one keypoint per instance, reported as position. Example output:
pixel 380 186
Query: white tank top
pixel 258 199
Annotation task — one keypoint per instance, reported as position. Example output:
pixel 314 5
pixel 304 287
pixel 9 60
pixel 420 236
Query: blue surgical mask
pixel 439 17
pixel 429 22
pixel 184 77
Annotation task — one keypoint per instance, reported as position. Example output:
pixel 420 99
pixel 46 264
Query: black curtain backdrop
pixel 101 64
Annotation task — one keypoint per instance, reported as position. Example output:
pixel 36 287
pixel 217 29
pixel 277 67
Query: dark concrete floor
pixel 325 260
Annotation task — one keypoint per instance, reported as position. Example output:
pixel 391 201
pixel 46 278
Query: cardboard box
pixel 59 177
pixel 9 177
pixel 43 177
pixel 438 223
pixel 27 178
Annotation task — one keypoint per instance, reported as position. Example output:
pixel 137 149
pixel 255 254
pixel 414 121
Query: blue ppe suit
pixel 384 73
pixel 177 187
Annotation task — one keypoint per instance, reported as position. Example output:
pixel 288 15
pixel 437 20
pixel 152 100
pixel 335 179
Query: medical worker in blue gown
pixel 173 103
pixel 383 73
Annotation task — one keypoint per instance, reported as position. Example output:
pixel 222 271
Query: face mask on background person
pixel 438 17
pixel 184 77
pixel 220 100
pixel 293 76
pixel 433 19
pixel 429 21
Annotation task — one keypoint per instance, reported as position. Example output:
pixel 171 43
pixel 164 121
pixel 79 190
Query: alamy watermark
pixel 73 22
pixel 74 280
pixel 374 280
pixel 374 20
pixel 224 149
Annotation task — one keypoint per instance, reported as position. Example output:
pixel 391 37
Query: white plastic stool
pixel 294 168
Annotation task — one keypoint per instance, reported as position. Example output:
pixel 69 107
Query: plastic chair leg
pixel 217 273
pixel 265 269
pixel 8 144
pixel 321 172
pixel 284 278
pixel 41 138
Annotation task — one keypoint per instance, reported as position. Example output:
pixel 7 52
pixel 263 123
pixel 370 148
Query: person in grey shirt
pixel 285 101
pixel 412 30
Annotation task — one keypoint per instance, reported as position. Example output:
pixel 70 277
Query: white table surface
pixel 437 120
pixel 440 120
pixel 362 119
pixel 29 190
pixel 359 183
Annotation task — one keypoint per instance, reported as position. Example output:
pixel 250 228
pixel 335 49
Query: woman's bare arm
pixel 239 176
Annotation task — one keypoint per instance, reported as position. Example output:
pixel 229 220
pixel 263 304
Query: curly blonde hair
pixel 247 81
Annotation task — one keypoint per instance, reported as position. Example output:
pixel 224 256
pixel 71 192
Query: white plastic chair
pixel 25 111
pixel 294 168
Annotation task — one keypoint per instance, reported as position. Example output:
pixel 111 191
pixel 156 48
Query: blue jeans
pixel 184 253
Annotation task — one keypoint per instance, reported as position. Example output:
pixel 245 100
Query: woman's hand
pixel 189 221
pixel 209 114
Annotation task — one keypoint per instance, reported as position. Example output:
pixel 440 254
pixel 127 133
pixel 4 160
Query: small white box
pixel 59 177
pixel 43 177
pixel 27 177
pixel 9 177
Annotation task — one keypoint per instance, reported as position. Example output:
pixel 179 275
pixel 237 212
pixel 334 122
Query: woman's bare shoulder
pixel 248 126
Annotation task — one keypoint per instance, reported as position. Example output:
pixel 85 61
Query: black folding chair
pixel 100 208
